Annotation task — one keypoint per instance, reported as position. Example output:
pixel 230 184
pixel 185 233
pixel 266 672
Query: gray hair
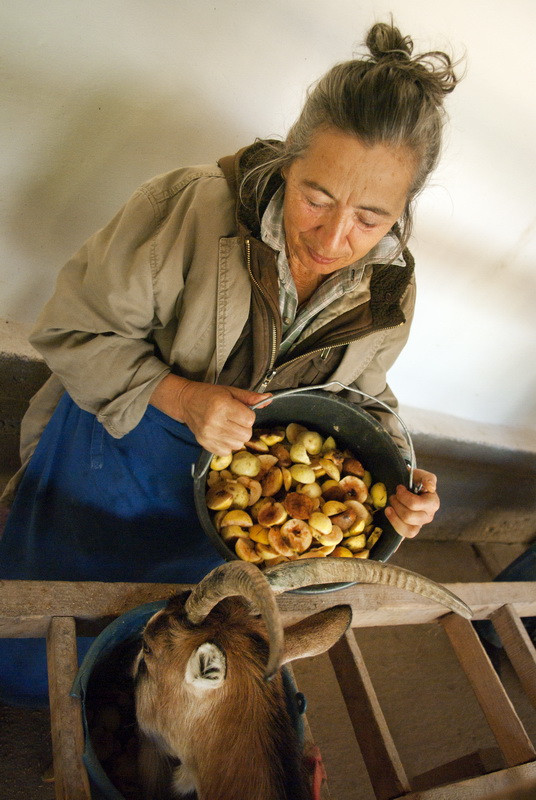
pixel 385 97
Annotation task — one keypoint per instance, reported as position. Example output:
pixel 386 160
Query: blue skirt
pixel 94 508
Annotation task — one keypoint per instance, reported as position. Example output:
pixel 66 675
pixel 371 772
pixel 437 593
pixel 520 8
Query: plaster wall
pixel 99 96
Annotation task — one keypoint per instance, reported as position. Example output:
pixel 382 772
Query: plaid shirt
pixel 295 322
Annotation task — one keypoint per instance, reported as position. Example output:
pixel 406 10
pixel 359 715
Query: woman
pixel 284 265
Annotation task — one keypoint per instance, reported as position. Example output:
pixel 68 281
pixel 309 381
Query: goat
pixel 210 702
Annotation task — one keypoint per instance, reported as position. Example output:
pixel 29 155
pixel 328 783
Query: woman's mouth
pixel 320 259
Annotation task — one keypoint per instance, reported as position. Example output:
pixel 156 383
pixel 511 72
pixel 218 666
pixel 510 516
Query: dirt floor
pixel 25 754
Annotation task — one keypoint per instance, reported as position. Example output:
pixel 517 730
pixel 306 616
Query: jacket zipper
pixel 273 355
pixel 271 372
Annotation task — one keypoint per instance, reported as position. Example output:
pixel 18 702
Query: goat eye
pixel 146 649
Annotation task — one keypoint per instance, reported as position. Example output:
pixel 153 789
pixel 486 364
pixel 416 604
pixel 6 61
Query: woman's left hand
pixel 408 512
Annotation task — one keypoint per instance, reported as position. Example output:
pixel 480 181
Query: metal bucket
pixel 352 428
pixel 128 629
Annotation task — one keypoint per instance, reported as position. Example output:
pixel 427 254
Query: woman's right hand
pixel 218 416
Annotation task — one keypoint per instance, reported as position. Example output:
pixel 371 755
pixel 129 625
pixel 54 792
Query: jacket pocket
pixel 309 372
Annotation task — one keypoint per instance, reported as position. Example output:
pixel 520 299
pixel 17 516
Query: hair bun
pixel 432 71
pixel 385 40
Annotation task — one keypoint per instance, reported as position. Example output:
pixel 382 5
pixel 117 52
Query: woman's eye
pixel 145 647
pixel 366 223
pixel 313 204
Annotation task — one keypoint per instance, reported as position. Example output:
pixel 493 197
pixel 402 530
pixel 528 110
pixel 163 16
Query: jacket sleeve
pixel 373 378
pixel 95 332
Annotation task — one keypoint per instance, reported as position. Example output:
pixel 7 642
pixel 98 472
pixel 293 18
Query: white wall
pixel 99 95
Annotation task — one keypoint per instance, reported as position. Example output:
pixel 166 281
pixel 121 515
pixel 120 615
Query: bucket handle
pixel 301 389
pixel 286 392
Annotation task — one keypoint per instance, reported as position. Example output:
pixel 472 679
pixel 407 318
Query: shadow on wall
pixel 104 147
pixel 479 304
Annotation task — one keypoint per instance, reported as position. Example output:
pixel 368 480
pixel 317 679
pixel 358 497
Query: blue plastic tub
pixel 125 628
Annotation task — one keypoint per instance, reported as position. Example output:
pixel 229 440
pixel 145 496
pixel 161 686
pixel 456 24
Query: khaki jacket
pixel 178 282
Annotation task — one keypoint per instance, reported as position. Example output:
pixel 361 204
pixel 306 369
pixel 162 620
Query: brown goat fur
pixel 233 741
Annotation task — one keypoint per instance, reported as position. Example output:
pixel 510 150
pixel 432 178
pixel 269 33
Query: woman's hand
pixel 218 416
pixel 408 512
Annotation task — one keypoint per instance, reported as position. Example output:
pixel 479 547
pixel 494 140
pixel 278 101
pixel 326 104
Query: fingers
pixel 427 479
pixel 249 398
pixel 220 416
pixel 222 441
pixel 225 424
pixel 408 512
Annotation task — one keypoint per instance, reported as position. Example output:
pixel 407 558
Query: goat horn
pixel 294 575
pixel 246 580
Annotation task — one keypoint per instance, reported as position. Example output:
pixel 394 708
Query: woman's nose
pixel 332 233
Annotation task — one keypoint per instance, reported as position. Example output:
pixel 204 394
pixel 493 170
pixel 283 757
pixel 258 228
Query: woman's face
pixel 341 198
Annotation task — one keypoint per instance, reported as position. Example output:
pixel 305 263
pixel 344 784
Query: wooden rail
pixel 60 610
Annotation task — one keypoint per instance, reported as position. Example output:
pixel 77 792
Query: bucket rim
pixel 333 399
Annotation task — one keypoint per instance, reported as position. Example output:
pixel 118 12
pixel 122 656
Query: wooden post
pixel 515 783
pixel 70 776
pixel 502 718
pixel 518 646
pixel 380 755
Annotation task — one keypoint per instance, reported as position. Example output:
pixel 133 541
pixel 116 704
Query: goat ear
pixel 206 667
pixel 317 633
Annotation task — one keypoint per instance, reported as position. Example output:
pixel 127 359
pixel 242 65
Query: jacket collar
pixel 234 168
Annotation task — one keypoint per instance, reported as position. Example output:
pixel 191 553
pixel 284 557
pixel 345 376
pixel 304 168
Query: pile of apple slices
pixel 291 493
